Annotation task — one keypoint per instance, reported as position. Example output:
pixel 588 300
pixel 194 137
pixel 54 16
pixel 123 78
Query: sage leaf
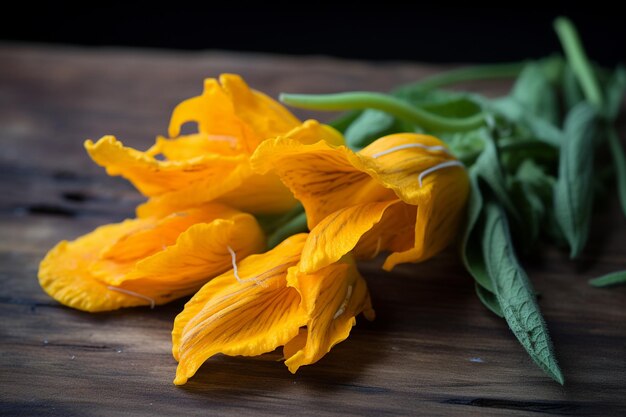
pixel 573 194
pixel 614 93
pixel 369 126
pixel 489 300
pixel 345 120
pixel 619 160
pixel 514 292
pixel 572 94
pixel 516 114
pixel 471 252
pixel 535 93
pixel 613 278
pixel 488 168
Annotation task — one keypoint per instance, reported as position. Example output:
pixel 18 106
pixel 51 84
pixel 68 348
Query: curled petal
pixel 332 298
pixel 190 146
pixel 239 188
pixel 247 311
pixel 230 108
pixel 339 233
pixel 320 176
pixel 334 183
pixel 141 262
pixel 153 177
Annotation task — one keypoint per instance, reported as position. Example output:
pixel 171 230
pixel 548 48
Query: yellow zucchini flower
pixel 212 164
pixel 148 261
pixel 404 193
pixel 264 303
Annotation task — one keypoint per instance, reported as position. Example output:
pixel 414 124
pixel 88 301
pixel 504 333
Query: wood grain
pixel 433 349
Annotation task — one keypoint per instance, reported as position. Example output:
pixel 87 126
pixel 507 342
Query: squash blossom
pixel 404 193
pixel 212 164
pixel 150 260
pixel 265 302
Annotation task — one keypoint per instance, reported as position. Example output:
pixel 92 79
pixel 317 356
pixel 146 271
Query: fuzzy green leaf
pixel 572 94
pixel 535 93
pixel 489 300
pixel 515 293
pixel 614 93
pixel 619 160
pixel 471 252
pixel 487 167
pixel 369 126
pixel 573 194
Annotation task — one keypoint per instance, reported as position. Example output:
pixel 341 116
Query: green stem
pixel 388 104
pixel 619 160
pixel 578 60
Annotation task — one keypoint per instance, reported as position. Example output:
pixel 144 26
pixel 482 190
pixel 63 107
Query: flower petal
pixel 233 109
pixel 239 188
pixel 200 253
pixel 439 219
pixel 312 131
pixel 93 273
pixel 332 297
pixel 153 177
pixel 401 161
pixel 417 169
pixel 320 175
pixel 339 233
pixel 214 112
pixel 266 116
pixel 64 272
pixel 191 146
pixel 247 317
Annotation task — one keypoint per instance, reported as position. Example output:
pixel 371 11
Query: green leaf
pixel 573 193
pixel 613 278
pixel 514 292
pixel 577 59
pixel 535 126
pixel 532 210
pixel 466 146
pixel 489 300
pixel 619 160
pixel 532 192
pixel 345 120
pixel 572 94
pixel 470 249
pixel 488 168
pixel 369 126
pixel 614 93
pixel 535 93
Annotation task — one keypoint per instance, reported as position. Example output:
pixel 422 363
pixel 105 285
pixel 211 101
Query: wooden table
pixel 433 349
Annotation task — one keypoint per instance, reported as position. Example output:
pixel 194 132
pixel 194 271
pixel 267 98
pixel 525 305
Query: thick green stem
pixel 383 102
pixel 578 60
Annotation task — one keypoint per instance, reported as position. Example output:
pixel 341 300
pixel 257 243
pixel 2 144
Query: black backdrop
pixel 390 30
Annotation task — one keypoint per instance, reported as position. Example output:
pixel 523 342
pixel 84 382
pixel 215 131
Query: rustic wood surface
pixel 433 349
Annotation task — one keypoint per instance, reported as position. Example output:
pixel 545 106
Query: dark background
pixel 389 30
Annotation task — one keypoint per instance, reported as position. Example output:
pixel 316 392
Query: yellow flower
pixel 213 164
pixel 263 303
pixel 404 193
pixel 148 261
